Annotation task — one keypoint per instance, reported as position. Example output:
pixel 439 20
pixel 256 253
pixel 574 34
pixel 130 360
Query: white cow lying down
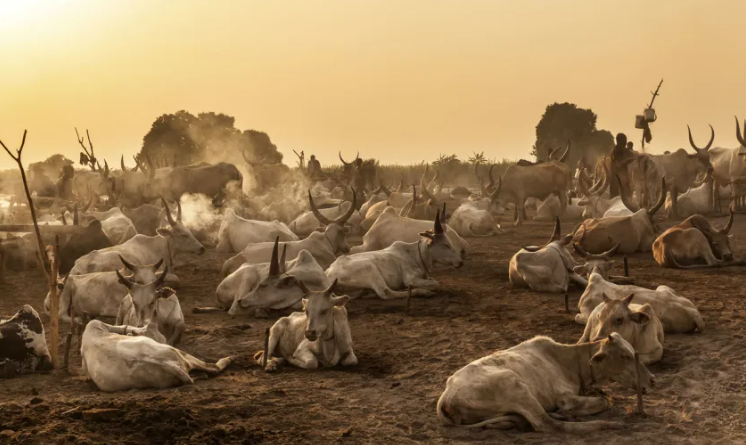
pixel 389 272
pixel 120 358
pixel 525 383
pixel 317 337
pixel 469 220
pixel 677 314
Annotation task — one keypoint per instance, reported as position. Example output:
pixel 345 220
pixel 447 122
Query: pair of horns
pixel 340 220
pixel 624 194
pixel 277 266
pixel 709 144
pixel 168 211
pixel 357 156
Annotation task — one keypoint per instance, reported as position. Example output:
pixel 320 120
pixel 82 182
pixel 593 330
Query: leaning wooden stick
pixel 266 349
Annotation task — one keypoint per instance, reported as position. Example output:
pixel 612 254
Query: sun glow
pixel 21 13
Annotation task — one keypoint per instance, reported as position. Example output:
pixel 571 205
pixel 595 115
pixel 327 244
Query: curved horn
pixel 443 213
pixel 401 184
pixel 343 161
pixel 168 212
pixel 611 251
pixel 426 193
pixel 385 190
pixel 580 251
pixel 438 226
pixel 127 264
pixel 489 175
pixel 625 198
pixel 738 133
pixel 557 231
pixel 322 219
pixel 485 190
pixel 138 165
pixel 151 168
pixel 709 144
pixel 728 226
pixel 705 178
pixel 582 177
pixel 343 219
pixel 283 264
pixel 157 265
pixel 357 156
pixel 496 194
pixel 88 206
pixel 600 186
pixel 124 168
pixel 274 265
pixel 661 198
pixel 563 158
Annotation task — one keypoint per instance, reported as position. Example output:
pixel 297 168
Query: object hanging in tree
pixel 648 116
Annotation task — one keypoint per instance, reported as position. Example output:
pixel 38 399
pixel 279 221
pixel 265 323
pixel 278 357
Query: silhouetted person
pixel 314 168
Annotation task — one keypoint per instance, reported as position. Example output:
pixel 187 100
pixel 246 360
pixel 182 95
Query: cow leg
pixel 175 337
pixel 733 196
pixel 577 279
pixel 303 357
pixel 376 282
pixel 193 363
pixel 423 287
pixel 563 202
pixel 572 405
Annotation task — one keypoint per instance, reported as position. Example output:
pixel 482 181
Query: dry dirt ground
pixel 404 361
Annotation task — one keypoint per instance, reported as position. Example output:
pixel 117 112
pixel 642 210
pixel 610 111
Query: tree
pixel 567 122
pixel 477 158
pixel 182 139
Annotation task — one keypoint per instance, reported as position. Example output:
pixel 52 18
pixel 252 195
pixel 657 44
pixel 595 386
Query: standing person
pixel 314 168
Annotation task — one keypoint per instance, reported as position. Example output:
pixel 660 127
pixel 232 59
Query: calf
pixel 548 268
pixel 317 337
pixel 527 382
pixel 150 303
pixel 693 242
pixel 120 358
pixel 279 289
pixel 676 313
pixel 636 323
pixel 23 346
pixel 389 272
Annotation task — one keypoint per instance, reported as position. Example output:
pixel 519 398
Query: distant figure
pixel 314 168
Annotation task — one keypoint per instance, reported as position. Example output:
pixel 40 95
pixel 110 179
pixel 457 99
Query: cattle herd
pixel 129 235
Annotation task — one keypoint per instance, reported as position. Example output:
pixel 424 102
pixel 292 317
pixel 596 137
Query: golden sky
pixel 402 80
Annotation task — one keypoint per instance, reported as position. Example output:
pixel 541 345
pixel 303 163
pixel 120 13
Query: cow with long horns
pixel 694 243
pixel 547 268
pixel 729 168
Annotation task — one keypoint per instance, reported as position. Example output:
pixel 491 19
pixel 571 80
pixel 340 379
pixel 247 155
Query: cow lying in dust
pixel 23 345
pixel 317 337
pixel 635 232
pixel 693 242
pixel 549 268
pixel 676 313
pixel 98 294
pixel 236 233
pixel 279 289
pixel 599 263
pixel 389 272
pixel 636 323
pixel 469 220
pixel 151 303
pixel 120 358
pixel 527 382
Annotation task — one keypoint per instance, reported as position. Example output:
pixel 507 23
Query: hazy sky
pixel 402 80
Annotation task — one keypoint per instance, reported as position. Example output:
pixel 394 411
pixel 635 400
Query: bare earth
pixel 404 361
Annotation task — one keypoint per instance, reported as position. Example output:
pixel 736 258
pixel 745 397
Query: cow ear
pixel 628 299
pixel 639 317
pixel 340 301
pixel 580 270
pixel 599 358
pixel 305 303
pixel 288 280
pixel 427 235
pixel 605 298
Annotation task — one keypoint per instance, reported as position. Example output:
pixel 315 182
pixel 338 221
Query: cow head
pixel 141 274
pixel 615 361
pixel 719 240
pixel 182 240
pixel 278 286
pixel 600 263
pixel 335 230
pixel 560 244
pixel 319 309
pixel 439 246
pixel 616 316
pixel 144 296
pixel 702 155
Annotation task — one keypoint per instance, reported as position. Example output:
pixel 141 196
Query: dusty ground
pixel 404 361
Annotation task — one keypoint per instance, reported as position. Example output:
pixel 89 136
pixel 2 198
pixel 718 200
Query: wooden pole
pixel 54 306
pixel 266 349
pixel 640 407
pixel 626 267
